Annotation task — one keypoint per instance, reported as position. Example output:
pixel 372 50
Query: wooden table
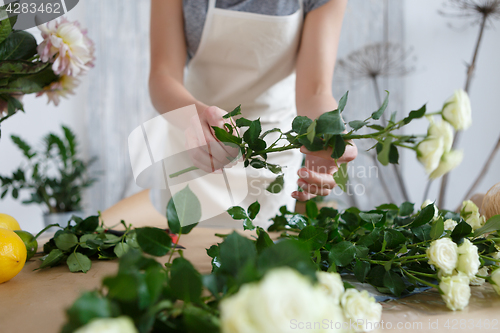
pixel 35 301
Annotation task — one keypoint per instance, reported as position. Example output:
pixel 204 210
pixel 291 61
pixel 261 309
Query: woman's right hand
pixel 206 151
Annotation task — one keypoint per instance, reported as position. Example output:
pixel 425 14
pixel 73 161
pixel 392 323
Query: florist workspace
pixel 276 166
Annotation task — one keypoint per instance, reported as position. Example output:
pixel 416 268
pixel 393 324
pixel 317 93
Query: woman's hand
pixel 316 178
pixel 206 151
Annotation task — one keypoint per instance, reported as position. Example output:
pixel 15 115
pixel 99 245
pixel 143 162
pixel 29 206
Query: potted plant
pixel 54 176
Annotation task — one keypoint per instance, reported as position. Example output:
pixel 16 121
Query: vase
pixel 58 218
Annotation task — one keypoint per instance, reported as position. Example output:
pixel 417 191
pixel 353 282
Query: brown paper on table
pixel 35 301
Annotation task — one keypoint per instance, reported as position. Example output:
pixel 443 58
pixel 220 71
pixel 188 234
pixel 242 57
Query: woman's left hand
pixel 316 177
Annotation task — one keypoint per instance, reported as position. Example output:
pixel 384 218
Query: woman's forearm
pixel 168 93
pixel 313 106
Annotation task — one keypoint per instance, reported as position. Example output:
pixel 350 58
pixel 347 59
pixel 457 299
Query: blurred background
pixel 427 54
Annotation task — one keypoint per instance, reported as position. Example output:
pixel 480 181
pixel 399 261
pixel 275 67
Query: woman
pixel 247 52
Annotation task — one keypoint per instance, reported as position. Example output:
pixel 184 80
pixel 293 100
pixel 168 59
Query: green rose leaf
pixel 342 253
pixel 300 124
pixel 311 209
pixel 314 237
pixel 311 132
pixel 361 269
pixel 235 112
pixel 330 123
pixel 437 228
pixel 235 252
pixel 290 253
pixel 394 283
pixel 253 210
pixel 357 124
pixel 426 215
pixel 90 224
pixel 90 245
pixel 198 320
pixel 461 230
pixel 237 213
pixel 243 122
pixel 122 286
pixel 52 259
pixel 493 224
pixel 377 114
pixel 341 177
pixel 393 238
pixel 248 225
pixel 422 232
pixel 91 305
pixel 19 45
pixel 339 146
pixel 78 262
pixel 383 151
pixel 263 240
pixel 343 101
pixel 183 210
pixel 406 208
pixel 185 281
pixel 66 241
pixel 393 154
pixel 253 132
pixel 415 114
pixel 5 28
pixel 371 217
pixel 154 241
pixel 120 249
pixel 277 185
pixel 225 137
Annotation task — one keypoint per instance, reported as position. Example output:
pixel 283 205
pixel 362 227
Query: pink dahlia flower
pixel 67 46
pixel 62 88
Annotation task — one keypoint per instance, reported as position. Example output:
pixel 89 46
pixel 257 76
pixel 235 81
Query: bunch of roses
pixel 286 301
pixel 459 266
pixel 435 151
pixel 71 53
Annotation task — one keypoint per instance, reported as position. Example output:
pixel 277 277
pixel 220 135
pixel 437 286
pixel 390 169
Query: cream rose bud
pixel 477 281
pixel 496 255
pixel 450 224
pixel 495 279
pixel 475 220
pixel 456 291
pixel 449 161
pixel 281 300
pixel 331 284
pixel 468 207
pixel 468 259
pixel 429 153
pixel 443 254
pixel 441 129
pixel 457 110
pixel 109 325
pixel 362 308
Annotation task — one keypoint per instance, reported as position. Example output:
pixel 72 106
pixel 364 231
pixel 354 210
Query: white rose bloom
pixel 477 281
pixel 331 284
pixel 457 110
pixel 281 301
pixel 109 325
pixel 468 259
pixel 427 203
pixel 361 307
pixel 450 224
pixel 496 255
pixel 495 277
pixel 429 153
pixel 441 129
pixel 449 161
pixel 456 291
pixel 443 254
pixel 475 220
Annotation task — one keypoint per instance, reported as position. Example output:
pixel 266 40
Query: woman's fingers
pixel 351 152
pixel 322 181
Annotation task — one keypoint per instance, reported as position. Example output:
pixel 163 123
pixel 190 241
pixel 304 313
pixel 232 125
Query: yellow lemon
pixel 12 254
pixel 8 222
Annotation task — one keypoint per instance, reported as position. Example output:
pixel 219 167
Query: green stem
pixel 419 280
pixel 174 247
pixel 489 258
pixel 423 274
pixel 418 256
pixel 183 171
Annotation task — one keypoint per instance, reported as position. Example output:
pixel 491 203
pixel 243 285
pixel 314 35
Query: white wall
pixel 39 120
pixel 441 53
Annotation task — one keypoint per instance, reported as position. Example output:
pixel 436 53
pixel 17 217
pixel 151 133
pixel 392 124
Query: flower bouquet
pixel 51 68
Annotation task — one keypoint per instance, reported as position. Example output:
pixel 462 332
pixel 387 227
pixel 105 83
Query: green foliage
pixel 328 131
pixel 54 175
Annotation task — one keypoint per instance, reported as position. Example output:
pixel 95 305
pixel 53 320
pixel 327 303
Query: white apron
pixel 248 59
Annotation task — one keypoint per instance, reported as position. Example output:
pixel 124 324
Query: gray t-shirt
pixel 195 12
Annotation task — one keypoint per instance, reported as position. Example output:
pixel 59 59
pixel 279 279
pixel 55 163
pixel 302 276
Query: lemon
pixel 12 254
pixel 29 241
pixel 8 222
